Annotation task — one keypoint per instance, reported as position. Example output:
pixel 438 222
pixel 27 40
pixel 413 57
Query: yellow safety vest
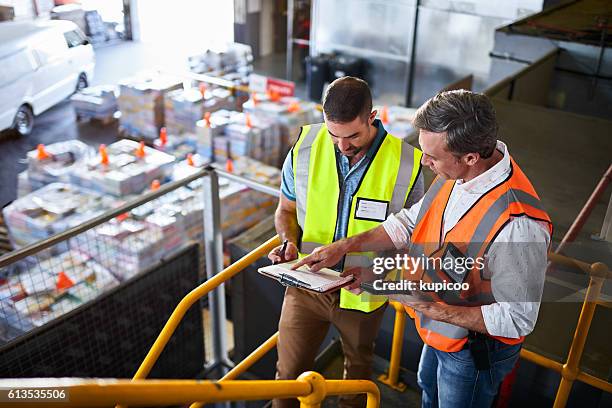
pixel 383 190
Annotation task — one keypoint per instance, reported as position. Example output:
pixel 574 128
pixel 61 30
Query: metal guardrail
pixel 310 388
pixel 511 80
pixel 39 246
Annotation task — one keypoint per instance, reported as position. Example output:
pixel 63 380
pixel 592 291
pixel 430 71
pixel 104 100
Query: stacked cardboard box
pixel 126 246
pixel 288 113
pixel 51 209
pixel 126 172
pixel 183 108
pixel 36 292
pixel 235 134
pixel 55 162
pixel 98 102
pixel 141 102
pixel 178 146
pixel 234 57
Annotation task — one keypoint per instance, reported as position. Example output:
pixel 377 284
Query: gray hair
pixel 468 119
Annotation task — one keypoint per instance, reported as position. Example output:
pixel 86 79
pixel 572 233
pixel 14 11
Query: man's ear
pixel 372 116
pixel 471 158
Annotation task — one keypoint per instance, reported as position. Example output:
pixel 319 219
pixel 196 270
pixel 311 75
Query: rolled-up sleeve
pixel 516 264
pixel 399 226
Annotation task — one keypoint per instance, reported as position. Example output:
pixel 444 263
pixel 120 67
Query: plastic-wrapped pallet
pixel 177 146
pixel 37 292
pixel 55 162
pixel 50 210
pixel 209 129
pixel 99 102
pixel 141 102
pixel 288 113
pixel 234 57
pixel 240 135
pixel 23 184
pixel 125 247
pixel 185 107
pixel 126 172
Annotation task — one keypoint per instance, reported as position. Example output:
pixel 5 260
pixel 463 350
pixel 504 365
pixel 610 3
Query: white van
pixel 41 63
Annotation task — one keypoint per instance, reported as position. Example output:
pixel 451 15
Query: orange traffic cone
pixel 140 152
pixel 294 107
pixel 41 152
pixel 207 119
pixel 122 217
pixel 63 281
pixel 190 161
pixel 384 115
pixel 163 136
pixel 274 96
pixel 155 185
pixel 202 89
pixel 103 155
pixel 248 121
pixel 229 165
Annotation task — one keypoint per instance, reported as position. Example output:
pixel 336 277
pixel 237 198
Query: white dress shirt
pixel 517 271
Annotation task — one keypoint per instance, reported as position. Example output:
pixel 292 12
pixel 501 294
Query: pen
pixel 282 250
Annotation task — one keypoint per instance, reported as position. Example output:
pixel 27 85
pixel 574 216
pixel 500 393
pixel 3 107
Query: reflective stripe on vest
pixel 472 235
pixel 389 178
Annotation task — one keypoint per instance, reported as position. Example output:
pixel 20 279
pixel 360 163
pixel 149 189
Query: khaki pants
pixel 304 322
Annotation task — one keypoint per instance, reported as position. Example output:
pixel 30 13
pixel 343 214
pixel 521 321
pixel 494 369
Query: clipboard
pixel 324 281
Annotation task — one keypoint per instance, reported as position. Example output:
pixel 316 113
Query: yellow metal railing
pixel 195 295
pixel 570 371
pixel 318 387
pixel 310 388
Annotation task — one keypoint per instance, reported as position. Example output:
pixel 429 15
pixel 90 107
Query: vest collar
pixel 490 178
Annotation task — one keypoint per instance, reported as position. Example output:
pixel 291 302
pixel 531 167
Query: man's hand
pixel 323 257
pixel 361 275
pixel 291 253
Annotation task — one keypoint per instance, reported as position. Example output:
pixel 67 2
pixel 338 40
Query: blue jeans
pixel 450 380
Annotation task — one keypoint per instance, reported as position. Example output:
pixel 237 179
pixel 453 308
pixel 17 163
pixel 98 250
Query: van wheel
pixel 24 121
pixel 82 83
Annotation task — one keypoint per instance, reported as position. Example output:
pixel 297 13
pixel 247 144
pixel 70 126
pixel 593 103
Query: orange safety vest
pixel 470 237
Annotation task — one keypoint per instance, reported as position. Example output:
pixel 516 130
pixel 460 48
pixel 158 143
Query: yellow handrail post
pixel 318 389
pixel 571 368
pixel 344 387
pixel 391 379
pixel 192 297
pixel 246 363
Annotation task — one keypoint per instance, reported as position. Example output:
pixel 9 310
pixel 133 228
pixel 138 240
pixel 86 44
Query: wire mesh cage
pixel 110 335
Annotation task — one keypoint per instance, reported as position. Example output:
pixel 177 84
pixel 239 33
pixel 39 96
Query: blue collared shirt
pixel 349 179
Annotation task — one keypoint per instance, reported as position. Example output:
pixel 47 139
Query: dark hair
pixel 467 117
pixel 346 98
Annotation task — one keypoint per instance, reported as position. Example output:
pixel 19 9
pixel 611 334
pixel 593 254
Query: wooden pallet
pixel 105 121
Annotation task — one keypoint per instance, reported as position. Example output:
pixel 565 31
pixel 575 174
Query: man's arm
pixel 392 234
pixel 327 256
pixel 517 264
pixel 469 317
pixel 285 218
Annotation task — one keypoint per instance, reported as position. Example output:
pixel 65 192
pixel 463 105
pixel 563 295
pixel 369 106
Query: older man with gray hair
pixel 481 206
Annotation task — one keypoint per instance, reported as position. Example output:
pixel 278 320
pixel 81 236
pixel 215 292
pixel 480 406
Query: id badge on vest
pixel 371 210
